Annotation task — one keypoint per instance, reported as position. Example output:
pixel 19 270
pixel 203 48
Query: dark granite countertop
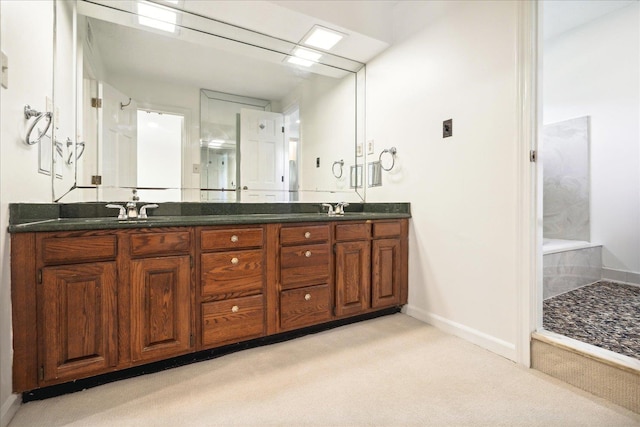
pixel 29 217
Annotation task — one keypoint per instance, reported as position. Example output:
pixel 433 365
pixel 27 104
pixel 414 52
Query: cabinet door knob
pixel 234 238
pixel 307 235
pixel 235 309
pixel 307 297
pixel 234 261
pixel 307 254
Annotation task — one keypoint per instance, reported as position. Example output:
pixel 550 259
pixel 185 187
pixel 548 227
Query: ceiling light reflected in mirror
pixel 157 17
pixel 322 38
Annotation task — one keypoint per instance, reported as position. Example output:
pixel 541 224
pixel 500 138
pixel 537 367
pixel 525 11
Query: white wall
pixel 327 131
pixel 20 181
pixel 64 95
pixel 602 80
pixel 463 189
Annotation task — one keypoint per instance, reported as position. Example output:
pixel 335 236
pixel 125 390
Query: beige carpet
pixel 391 371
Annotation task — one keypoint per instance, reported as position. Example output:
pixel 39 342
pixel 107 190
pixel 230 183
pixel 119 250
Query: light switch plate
pixel 370 147
pixel 4 65
pixel 196 168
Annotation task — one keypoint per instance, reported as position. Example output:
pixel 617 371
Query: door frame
pixel 186 181
pixel 529 203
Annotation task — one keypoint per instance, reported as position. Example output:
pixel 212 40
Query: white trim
pixel 527 258
pixel 596 352
pixel 491 343
pixel 186 146
pixel 9 409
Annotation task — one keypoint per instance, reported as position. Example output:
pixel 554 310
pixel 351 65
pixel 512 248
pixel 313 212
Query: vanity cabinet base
pixel 133 298
pixel 200 356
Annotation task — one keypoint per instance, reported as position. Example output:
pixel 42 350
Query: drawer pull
pixel 234 238
pixel 307 235
pixel 307 254
pixel 307 297
pixel 234 261
pixel 235 309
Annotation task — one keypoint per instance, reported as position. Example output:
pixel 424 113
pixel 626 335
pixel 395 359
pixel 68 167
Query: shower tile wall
pixel 565 158
pixel 568 270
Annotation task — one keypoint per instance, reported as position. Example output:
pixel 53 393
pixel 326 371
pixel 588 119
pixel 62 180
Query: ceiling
pixel 366 22
pixel 561 16
pixel 188 59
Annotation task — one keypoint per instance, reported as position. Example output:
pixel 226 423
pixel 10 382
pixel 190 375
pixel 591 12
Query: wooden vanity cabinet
pixel 95 301
pixel 371 266
pixel 76 306
pixel 304 292
pixel 79 321
pixel 388 264
pixel 160 286
pixel 353 268
pixel 231 298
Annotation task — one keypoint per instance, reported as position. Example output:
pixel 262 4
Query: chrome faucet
pixel 123 212
pixel 330 212
pixel 339 210
pixel 130 210
pixel 143 210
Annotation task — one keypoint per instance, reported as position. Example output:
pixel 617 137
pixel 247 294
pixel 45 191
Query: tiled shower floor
pixel 604 314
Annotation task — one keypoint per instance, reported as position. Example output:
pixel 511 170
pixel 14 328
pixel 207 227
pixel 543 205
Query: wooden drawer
pixel 304 234
pixel 64 250
pixel 304 265
pixel 164 243
pixel 305 306
pixel 231 238
pixel 233 320
pixel 233 272
pixel 358 231
pixel 386 229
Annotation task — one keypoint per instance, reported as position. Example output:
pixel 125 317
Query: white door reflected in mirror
pixel 160 138
pixel 262 151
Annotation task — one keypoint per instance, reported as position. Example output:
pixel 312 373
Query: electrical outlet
pixel 447 128
pixel 370 147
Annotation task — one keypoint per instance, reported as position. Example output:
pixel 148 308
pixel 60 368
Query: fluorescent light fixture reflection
pixel 322 38
pixel 300 61
pixel 307 54
pixel 157 17
pixel 216 143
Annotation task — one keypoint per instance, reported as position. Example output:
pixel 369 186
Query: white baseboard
pixel 9 409
pixel 491 343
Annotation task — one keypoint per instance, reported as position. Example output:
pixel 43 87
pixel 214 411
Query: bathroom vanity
pixel 98 295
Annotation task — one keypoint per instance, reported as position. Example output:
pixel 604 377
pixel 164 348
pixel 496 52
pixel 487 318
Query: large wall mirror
pixel 186 108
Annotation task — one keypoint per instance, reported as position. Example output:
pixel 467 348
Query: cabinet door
pixel 352 277
pixel 160 307
pixel 385 286
pixel 79 320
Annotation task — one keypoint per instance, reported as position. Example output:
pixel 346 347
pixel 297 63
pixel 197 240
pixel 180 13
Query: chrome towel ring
pixel 333 168
pixel 78 154
pixel 29 113
pixel 391 151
